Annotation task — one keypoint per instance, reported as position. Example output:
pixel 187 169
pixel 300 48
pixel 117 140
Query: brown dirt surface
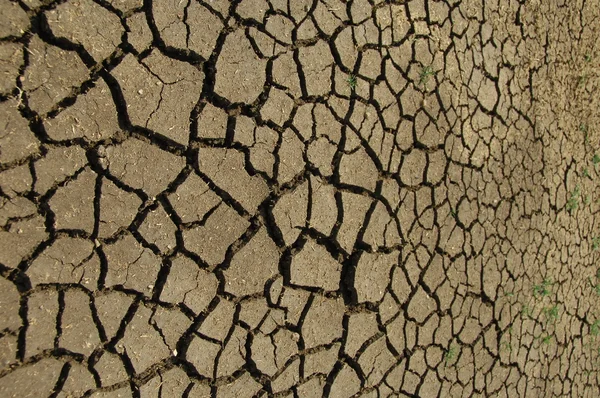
pixel 301 198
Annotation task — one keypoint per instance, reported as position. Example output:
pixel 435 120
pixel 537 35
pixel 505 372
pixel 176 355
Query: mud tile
pixel 278 107
pixel 173 382
pixel 78 382
pixel 140 36
pixel 263 354
pixel 73 203
pixel 51 75
pixel 355 208
pixel 322 361
pixel 324 207
pixel 117 208
pixel 157 228
pixel 260 254
pixel 172 324
pixel 346 383
pixel 126 5
pixel 320 153
pixel 243 387
pixel 14 20
pixel 118 393
pixel 67 260
pixel 219 321
pixel 212 122
pixel 421 305
pixel 8 350
pixel 358 169
pixel 190 285
pixel 193 199
pixel 18 382
pixel 58 164
pixel 110 368
pixel 240 73
pixel 79 333
pixel 20 239
pixel 288 378
pixel 93 116
pixel 226 169
pixel 361 327
pixel 42 309
pixel 18 142
pixel 291 159
pixel 382 230
pixel 9 306
pixel 373 275
pixel 316 61
pixel 11 59
pixel 262 157
pixel 111 308
pixel 293 300
pixel 375 361
pixel 131 265
pixel 313 388
pixel 323 311
pixel 211 240
pixel 86 23
pixel 233 356
pixel 314 266
pixel 151 170
pixel 142 344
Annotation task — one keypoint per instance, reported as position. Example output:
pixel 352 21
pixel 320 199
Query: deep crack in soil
pixel 301 198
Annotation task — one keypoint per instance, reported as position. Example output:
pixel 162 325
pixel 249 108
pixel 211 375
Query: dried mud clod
pixel 213 198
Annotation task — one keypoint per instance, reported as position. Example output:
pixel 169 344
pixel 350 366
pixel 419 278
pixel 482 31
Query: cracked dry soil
pixel 301 198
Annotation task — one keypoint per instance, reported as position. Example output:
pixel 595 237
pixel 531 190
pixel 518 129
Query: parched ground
pixel 301 198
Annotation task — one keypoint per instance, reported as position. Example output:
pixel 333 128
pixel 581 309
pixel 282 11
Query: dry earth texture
pixel 301 198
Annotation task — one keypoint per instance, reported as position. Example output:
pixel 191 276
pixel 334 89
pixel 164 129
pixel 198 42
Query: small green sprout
pixel 450 354
pixel 424 75
pixel 596 243
pixel 542 289
pixel 351 80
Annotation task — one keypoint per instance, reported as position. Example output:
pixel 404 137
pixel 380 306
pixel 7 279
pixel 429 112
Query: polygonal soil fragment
pixel 51 75
pixel 172 383
pixel 20 239
pixel 212 238
pixel 173 20
pixel 11 59
pixel 361 327
pixel 202 354
pixel 346 383
pixel 291 160
pixel 73 203
pixel 314 266
pixel 233 355
pixel 226 168
pixel 142 343
pixel 110 368
pixel 355 209
pixel 243 387
pixel 290 213
pixel 171 324
pixel 93 116
pixel 358 169
pixel 131 265
pixel 321 361
pixel 373 275
pixel 160 93
pixel 315 61
pixel 193 199
pixel 9 306
pixel 58 164
pixel 212 122
pixel 118 208
pixel 79 333
pixel 111 309
pixel 421 305
pixel 323 322
pixel 67 260
pixel 143 166
pixel 252 266
pixel 16 140
pixel 86 23
pixel 375 361
pixel 78 382
pixel 126 5
pixel 157 228
pixel 13 20
pixel 18 383
pixel 16 181
pixel 42 308
pixel 240 73
pixel 190 285
pixel 220 320
pixel 277 108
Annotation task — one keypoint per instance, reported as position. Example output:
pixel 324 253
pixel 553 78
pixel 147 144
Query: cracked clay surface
pixel 299 198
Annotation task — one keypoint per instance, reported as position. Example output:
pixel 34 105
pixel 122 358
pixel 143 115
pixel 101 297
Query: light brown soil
pixel 303 198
